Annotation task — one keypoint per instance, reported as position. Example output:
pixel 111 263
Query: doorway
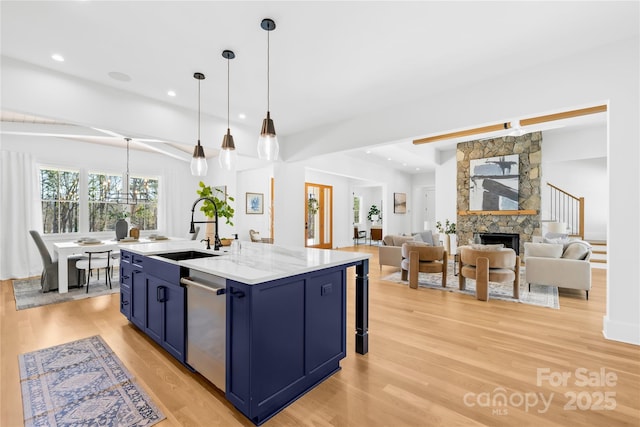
pixel 318 214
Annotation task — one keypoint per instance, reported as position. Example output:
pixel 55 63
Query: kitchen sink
pixel 184 255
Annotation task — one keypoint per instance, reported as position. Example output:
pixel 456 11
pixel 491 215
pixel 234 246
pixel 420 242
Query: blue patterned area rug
pixel 82 383
pixel 540 295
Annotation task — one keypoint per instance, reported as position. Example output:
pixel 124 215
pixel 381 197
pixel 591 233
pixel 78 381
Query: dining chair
pixel 49 276
pixel 96 260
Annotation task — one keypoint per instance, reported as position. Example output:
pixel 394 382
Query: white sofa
pixel 557 264
pixel 390 252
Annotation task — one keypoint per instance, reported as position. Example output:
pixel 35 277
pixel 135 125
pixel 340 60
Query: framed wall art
pixel 493 183
pixel 255 203
pixel 400 203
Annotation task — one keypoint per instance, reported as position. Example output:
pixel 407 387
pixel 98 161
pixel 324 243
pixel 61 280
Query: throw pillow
pixel 427 237
pixel 545 250
pixel 576 250
pixel 417 237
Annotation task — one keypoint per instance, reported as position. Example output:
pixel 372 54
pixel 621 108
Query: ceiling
pixel 329 61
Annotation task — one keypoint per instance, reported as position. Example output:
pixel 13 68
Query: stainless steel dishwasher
pixel 206 325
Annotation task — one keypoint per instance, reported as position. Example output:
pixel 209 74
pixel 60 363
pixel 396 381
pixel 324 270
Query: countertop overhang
pixel 256 262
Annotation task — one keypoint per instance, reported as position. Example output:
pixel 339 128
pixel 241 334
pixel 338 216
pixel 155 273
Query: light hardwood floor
pixel 436 358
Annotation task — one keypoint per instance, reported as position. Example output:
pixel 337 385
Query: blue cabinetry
pixel 283 338
pixel 152 299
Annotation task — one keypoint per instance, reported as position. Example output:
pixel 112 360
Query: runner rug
pixel 82 383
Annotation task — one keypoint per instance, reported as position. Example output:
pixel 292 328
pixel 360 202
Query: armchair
pixel 489 265
pixel 421 257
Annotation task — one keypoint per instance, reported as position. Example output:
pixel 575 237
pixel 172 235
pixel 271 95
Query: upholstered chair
pixel 421 257
pixel 49 276
pixel 486 265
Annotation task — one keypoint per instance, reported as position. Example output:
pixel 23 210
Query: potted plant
pixel 449 231
pixel 374 214
pixel 225 210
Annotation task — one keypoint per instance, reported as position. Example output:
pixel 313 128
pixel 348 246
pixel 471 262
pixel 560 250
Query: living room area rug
pixel 540 295
pixel 82 383
pixel 28 292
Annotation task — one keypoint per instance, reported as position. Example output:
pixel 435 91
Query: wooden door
pixel 318 214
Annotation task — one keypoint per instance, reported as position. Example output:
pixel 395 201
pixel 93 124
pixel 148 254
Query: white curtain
pixel 20 212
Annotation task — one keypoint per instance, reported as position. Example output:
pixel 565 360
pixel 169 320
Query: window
pixel 59 198
pixel 144 215
pixel 104 208
pixel 63 205
pixel 356 209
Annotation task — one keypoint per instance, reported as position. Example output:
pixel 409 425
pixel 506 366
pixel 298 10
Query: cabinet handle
pixel 235 293
pixel 125 277
pixel 161 294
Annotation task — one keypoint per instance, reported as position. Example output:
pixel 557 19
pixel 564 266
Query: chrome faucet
pixel 216 240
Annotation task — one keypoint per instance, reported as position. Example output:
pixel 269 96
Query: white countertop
pixel 256 262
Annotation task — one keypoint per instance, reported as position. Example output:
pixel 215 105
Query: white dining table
pixel 66 249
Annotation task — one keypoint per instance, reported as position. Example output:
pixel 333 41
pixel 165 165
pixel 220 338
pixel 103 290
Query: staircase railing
pixel 567 208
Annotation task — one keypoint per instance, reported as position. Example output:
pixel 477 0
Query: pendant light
pixel 227 156
pixel 268 142
pixel 198 161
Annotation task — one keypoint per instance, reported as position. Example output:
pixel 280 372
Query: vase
pixel 122 227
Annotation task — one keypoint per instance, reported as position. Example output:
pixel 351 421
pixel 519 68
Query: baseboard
pixel 620 331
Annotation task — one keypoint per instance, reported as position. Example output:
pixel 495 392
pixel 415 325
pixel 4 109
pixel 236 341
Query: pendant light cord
pixel 268 68
pixel 228 85
pixel 198 112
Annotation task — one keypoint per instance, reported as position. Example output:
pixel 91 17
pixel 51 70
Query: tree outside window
pixel 144 215
pixel 107 199
pixel 103 206
pixel 59 198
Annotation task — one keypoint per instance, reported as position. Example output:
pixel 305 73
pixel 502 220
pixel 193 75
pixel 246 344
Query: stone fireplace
pixel 524 222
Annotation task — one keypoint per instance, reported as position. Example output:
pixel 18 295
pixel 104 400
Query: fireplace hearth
pixel 509 240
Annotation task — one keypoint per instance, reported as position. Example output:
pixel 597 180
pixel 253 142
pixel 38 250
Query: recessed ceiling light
pixel 57 57
pixel 404 164
pixel 171 93
pixel 121 77
pixel 388 158
pixel 417 169
pixel 242 116
pixel 368 151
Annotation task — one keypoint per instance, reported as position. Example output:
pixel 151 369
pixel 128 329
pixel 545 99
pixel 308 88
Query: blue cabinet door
pixel 154 314
pixel 325 302
pixel 138 297
pixel 173 338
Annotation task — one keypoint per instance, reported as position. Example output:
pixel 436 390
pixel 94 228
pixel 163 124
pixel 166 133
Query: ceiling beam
pixel 507 125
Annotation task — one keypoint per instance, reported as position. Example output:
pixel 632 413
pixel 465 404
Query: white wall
pixel 576 162
pixel 424 197
pixel 253 181
pixel 447 187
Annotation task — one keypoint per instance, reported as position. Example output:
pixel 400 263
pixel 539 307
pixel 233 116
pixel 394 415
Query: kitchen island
pixel 285 321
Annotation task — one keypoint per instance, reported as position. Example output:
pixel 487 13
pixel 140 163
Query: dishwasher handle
pixel 190 282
